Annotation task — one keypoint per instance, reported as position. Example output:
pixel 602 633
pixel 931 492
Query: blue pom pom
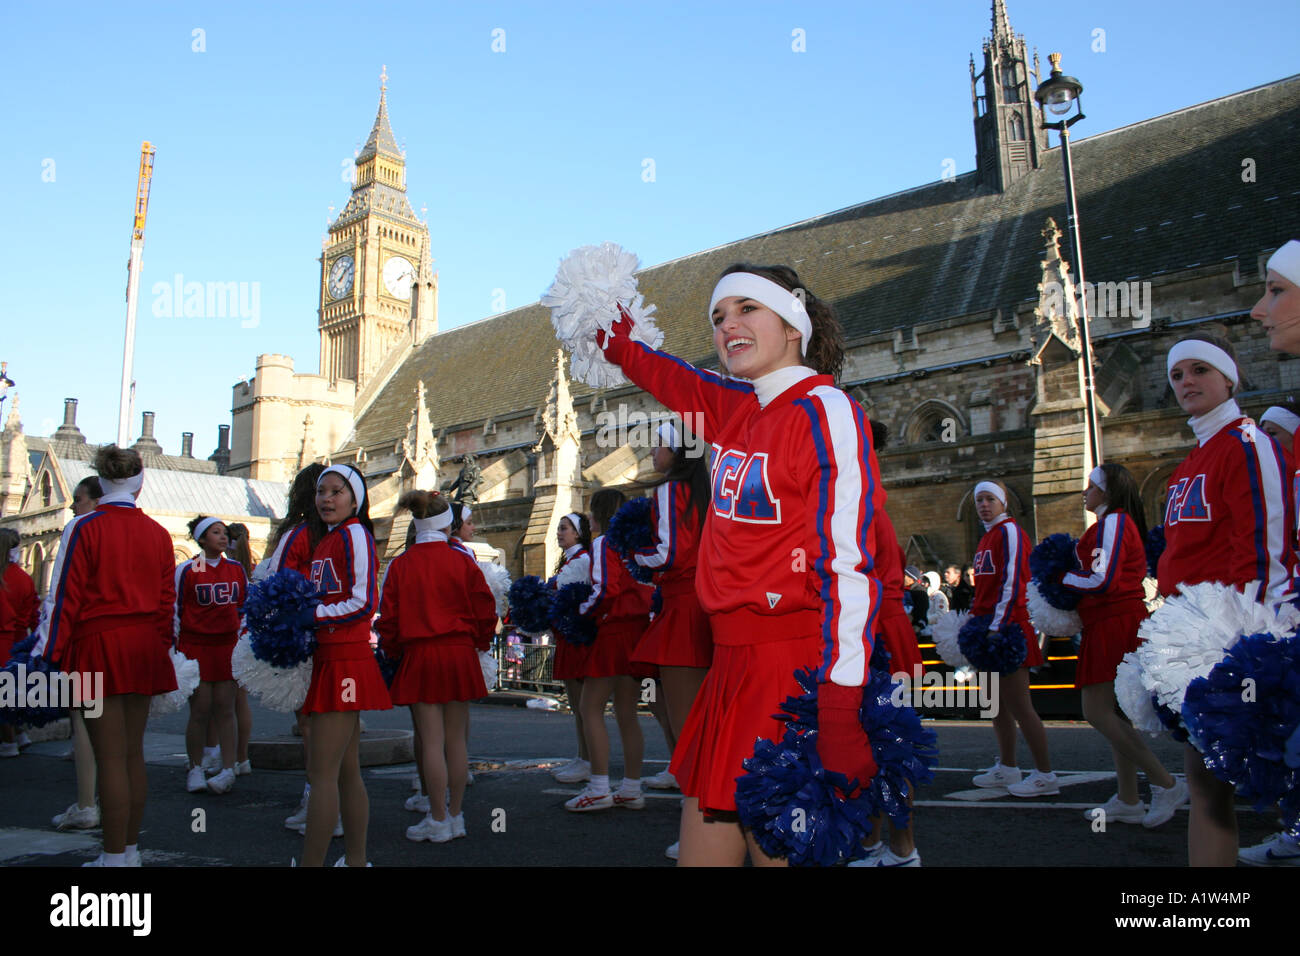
pixel 1241 715
pixel 32 716
pixel 629 531
pixel 565 617
pixel 1155 546
pixel 273 612
pixel 387 665
pixel 1053 557
pixel 530 604
pixel 1002 652
pixel 787 783
pixel 880 656
pixel 1172 721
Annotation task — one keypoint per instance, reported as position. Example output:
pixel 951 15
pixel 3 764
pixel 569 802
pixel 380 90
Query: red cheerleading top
pixel 1113 557
pixel 208 599
pixel 431 591
pixel 20 612
pixel 890 560
pixel 293 550
pixel 1230 515
pixel 615 595
pixel 1002 574
pixel 790 543
pixel 115 568
pixel 343 567
pixel 674 553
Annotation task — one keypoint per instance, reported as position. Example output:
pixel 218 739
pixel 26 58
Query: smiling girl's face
pixel 334 500
pixel 751 339
pixel 1278 310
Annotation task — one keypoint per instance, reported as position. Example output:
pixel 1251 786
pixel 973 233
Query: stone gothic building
pixel 959 310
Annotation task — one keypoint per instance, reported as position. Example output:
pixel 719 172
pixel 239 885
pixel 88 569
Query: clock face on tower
pixel 398 274
pixel 340 281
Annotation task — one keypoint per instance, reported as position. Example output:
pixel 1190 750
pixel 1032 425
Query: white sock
pixel 631 785
pixel 131 848
pixel 114 859
pixel 306 789
pixel 599 783
pixel 212 751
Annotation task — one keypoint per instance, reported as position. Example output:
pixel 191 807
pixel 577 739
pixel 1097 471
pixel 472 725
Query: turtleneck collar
pixel 1212 422
pixel 118 498
pixel 424 537
pixel 1101 511
pixel 769 386
pixel 572 550
pixel 989 525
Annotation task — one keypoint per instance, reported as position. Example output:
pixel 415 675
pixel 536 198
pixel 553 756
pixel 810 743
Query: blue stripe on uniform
pixel 823 487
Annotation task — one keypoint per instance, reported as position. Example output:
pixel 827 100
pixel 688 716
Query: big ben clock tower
pixel 377 286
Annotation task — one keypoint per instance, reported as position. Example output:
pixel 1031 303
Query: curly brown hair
pixel 826 348
pixel 115 463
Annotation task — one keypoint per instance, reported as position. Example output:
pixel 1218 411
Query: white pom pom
pixel 187 678
pixel 589 284
pixel 280 688
pixel 489 665
pixel 498 581
pixel 1151 596
pixel 571 573
pixel 1192 631
pixel 945 630
pixel 1134 697
pixel 1052 621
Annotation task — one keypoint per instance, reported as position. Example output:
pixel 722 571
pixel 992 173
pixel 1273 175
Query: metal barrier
pixel 526 665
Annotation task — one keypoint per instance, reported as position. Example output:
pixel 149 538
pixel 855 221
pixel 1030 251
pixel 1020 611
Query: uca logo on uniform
pixel 324 576
pixel 1187 501
pixel 741 490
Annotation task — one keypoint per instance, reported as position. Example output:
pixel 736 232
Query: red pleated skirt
pixel 213 656
pixel 900 639
pixel 345 677
pixel 438 670
pixel 611 653
pixel 570 660
pixel 1104 645
pixel 745 686
pixel 679 635
pixel 133 659
pixel 1033 654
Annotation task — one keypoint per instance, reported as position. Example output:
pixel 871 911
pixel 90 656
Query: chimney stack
pixel 222 455
pixel 147 445
pixel 187 444
pixel 68 432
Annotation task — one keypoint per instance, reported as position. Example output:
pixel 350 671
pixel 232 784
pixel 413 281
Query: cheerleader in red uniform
pixel 462 530
pixel 573 535
pixel 436 608
pixel 1112 554
pixel 210 590
pixel 345 679
pixel 786 566
pixel 19 615
pixel 111 614
pixel 620 607
pixel 1001 577
pixel 1228 518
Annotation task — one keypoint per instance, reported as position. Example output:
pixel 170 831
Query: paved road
pixel 511 748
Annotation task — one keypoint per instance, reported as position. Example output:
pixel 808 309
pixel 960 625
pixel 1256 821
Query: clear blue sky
pixel 519 155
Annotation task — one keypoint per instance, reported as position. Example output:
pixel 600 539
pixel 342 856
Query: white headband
pixel 992 489
pixel 782 301
pixel 352 477
pixel 465 512
pixel 1098 477
pixel 1211 355
pixel 436 523
pixel 575 519
pixel 14 556
pixel 121 486
pixel 202 527
pixel 668 437
pixel 1286 261
pixel 1288 421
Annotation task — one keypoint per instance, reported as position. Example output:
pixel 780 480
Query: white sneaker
pixel 23 741
pixel 628 800
pixel 299 817
pixel 663 780
pixel 890 858
pixel 435 831
pixel 673 851
pixel 77 818
pixel 196 781
pixel 469 778
pixel 1037 784
pixel 243 768
pixel 211 762
pixel 419 802
pixel 8 750
pixel 223 782
pixel 457 825
pixel 580 771
pixel 588 800
pixel 133 857
pixel 343 862
pixel 1277 850
pixel 1165 802
pixel 874 853
pixel 997 776
pixel 302 827
pixel 1117 811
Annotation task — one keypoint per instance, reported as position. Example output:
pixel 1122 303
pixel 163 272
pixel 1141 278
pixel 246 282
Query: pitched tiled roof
pixel 180 492
pixel 1155 197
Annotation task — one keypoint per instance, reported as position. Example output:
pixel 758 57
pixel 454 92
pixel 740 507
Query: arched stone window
pixel 1016 129
pixel 47 491
pixel 934 421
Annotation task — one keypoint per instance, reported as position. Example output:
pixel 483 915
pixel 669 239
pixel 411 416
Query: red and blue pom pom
pixel 1002 651
pixel 530 604
pixel 1051 559
pixel 22 665
pixel 565 617
pixel 630 531
pixel 274 612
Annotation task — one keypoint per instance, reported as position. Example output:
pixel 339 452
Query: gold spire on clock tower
pixel 376 274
